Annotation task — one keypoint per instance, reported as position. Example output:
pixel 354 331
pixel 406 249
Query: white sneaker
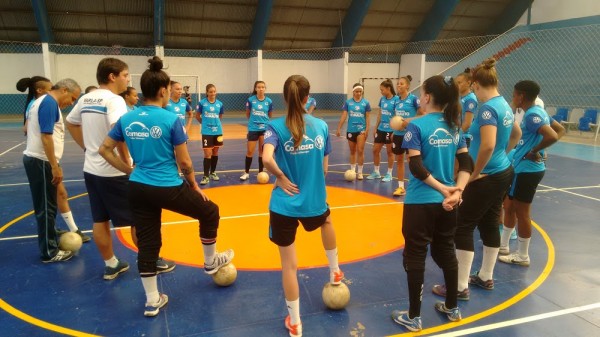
pixel 504 250
pixel 245 176
pixel 359 176
pixel 515 258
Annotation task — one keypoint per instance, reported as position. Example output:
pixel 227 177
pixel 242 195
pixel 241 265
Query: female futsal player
pixel 209 113
pixel 383 131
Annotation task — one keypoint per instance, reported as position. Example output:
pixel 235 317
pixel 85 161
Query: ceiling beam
pixel 261 24
pixel 352 21
pixel 159 22
pixel 510 16
pixel 41 19
pixel 434 21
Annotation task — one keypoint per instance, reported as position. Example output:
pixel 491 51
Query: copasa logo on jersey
pixel 355 109
pixel 509 119
pixel 137 130
pixel 442 138
pixel 307 145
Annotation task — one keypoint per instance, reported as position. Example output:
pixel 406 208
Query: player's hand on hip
pixel 286 185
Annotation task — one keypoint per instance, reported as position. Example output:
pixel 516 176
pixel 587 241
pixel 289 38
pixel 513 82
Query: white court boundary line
pixel 550 189
pixel 222 218
pixel 12 148
pixel 520 320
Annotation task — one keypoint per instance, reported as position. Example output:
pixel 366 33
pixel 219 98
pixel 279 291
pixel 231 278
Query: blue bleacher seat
pixel 561 114
pixel 592 114
pixel 584 124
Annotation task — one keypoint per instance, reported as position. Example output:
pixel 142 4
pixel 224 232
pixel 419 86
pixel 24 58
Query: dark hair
pixel 444 93
pixel 529 89
pixel 388 84
pixel 31 85
pixel 295 89
pixel 408 78
pixel 255 84
pixel 127 92
pixel 154 78
pixel 209 86
pixel 172 83
pixel 107 66
pixel 485 73
pixel 466 74
pixel 90 89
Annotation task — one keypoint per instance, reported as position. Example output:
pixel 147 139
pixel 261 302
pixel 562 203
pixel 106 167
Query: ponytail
pixel 444 93
pixel 388 84
pixel 295 90
pixel 31 85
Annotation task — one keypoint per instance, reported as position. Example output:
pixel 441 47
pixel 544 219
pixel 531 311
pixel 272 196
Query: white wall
pixel 434 68
pixel 356 71
pixel 16 66
pixel 338 76
pixel 228 75
pixel 275 72
pixel 413 65
pixel 555 10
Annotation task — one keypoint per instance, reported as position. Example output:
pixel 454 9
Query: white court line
pixel 333 134
pixel 569 192
pixel 520 320
pixel 12 148
pixel 567 188
pixel 222 218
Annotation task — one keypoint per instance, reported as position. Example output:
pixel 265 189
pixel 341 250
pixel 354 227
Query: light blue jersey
pixel 179 108
pixel 311 102
pixel 303 166
pixel 259 113
pixel 357 113
pixel 498 113
pixel 468 103
pixel 131 108
pixel 406 108
pixel 534 118
pixel 210 113
pixel 387 112
pixel 151 134
pixel 438 145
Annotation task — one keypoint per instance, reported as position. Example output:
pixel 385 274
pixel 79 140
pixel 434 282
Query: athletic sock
pixel 151 289
pixel 505 238
pixel 353 167
pixel 209 247
pixel 524 247
pixel 376 169
pixel 113 262
pixel 213 163
pixel 332 258
pixel 206 163
pixel 294 310
pixel 260 164
pixel 248 164
pixel 465 260
pixel 400 183
pixel 68 217
pixel 490 255
pixel 360 169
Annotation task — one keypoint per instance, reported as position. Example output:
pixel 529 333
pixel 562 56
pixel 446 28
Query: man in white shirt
pixel 89 122
pixel 45 145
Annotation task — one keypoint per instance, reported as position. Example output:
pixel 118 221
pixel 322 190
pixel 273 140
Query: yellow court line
pixel 504 305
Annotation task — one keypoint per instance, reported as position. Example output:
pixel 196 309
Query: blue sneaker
pixel 513 235
pixel 387 177
pixel 412 324
pixel 374 175
pixel 453 314
pixel 152 309
pixel 112 273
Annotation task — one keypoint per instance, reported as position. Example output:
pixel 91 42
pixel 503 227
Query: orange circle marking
pixel 367 225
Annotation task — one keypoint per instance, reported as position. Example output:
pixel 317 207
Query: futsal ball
pixel 70 241
pixel 350 175
pixel 262 177
pixel 396 123
pixel 336 297
pixel 226 275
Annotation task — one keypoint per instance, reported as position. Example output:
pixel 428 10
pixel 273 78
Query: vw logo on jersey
pixel 319 141
pixel 486 115
pixel 537 120
pixel 407 136
pixel 155 132
pixel 268 134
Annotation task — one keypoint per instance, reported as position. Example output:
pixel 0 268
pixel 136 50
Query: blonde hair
pixel 295 90
pixel 485 73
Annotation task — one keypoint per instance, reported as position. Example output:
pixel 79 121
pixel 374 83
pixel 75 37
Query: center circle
pixel 367 226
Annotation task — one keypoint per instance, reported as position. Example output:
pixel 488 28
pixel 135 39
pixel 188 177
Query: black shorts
pixel 108 199
pixel 282 229
pixel 397 145
pixel 524 186
pixel 210 141
pixel 382 137
pixel 253 136
pixel 353 136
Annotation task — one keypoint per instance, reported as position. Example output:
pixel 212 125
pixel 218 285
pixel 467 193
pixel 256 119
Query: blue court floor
pixel 558 295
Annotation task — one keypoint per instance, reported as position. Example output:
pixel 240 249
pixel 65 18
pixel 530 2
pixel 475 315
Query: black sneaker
pixel 164 266
pixel 62 255
pixel 112 273
pixel 476 280
pixel 84 238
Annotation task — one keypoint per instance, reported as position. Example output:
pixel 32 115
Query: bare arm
pixel 549 137
pixel 248 113
pixel 486 149
pixel 282 181
pixel 558 128
pixel 310 109
pixel 515 136
pixel 199 117
pixel 326 164
pixel 107 152
pixel 377 123
pixel 368 121
pixel 341 123
pixel 188 120
pixel 48 144
pixel 76 133
pixel 466 124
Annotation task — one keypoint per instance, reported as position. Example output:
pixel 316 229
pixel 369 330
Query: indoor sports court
pixel 238 42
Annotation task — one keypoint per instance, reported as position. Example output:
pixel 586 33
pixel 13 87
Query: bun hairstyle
pixel 485 73
pixel 295 89
pixel 408 78
pixel 154 78
pixel 444 93
pixel 467 74
pixel 388 84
